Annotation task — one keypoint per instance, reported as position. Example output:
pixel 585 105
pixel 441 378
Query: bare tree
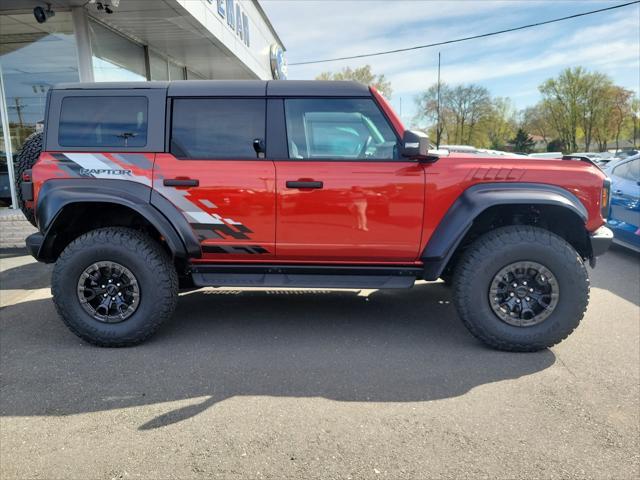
pixel 468 115
pixel 427 110
pixel 535 120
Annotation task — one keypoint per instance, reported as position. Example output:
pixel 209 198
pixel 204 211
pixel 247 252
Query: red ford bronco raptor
pixel 139 189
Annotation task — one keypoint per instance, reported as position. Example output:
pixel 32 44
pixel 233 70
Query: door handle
pixel 617 192
pixel 303 184
pixel 180 182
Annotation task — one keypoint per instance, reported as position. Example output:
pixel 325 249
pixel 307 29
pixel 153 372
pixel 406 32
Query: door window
pixel 341 128
pixel 103 122
pixel 217 128
pixel 629 170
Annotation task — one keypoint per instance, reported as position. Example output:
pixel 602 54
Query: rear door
pixel 344 194
pixel 218 178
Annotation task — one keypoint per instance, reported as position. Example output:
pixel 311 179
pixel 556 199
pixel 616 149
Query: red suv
pixel 139 189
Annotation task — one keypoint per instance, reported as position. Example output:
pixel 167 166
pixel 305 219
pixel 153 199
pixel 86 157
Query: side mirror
pixel 415 145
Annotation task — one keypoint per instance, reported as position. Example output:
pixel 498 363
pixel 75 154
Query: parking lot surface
pixel 318 384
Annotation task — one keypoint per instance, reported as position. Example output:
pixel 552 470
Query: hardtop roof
pixel 235 88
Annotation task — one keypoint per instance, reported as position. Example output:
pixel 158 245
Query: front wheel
pixel 521 288
pixel 114 287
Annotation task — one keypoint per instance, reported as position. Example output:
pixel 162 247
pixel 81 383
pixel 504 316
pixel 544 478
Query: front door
pixel 344 195
pixel 215 175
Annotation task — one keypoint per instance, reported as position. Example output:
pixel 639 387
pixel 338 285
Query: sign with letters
pixel 237 20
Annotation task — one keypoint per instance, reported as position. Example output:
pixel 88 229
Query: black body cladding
pixel 159 212
pixel 476 199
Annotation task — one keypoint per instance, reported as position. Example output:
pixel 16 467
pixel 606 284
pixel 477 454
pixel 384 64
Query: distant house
pixel 540 143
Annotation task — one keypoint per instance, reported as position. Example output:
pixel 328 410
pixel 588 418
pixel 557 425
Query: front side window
pixel 217 128
pixel 633 171
pixel 628 170
pixel 340 128
pixel 103 122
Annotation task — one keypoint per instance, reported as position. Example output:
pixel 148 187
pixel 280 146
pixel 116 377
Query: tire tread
pixel 492 242
pixel 25 160
pixel 153 256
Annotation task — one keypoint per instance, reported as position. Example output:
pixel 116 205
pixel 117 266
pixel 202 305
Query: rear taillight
pixel 605 198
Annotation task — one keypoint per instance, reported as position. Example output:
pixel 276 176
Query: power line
pixel 464 39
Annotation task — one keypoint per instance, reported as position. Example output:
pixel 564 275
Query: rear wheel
pixel 114 287
pixel 521 288
pixel 24 161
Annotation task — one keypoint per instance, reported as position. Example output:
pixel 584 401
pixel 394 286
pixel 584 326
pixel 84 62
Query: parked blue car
pixel 624 215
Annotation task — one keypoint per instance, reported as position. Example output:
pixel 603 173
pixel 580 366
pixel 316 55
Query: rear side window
pixel 217 129
pixel 104 121
pixel 344 128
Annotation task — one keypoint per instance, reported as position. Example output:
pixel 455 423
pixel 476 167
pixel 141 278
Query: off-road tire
pixel 24 161
pixel 496 249
pixel 148 262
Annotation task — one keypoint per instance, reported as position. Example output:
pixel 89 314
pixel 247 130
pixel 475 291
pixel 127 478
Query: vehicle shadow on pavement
pixel 30 276
pixel 13 252
pixel 392 346
pixel 613 271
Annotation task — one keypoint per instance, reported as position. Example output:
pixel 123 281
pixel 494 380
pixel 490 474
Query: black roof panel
pixel 109 85
pixel 236 88
pixel 217 88
pixel 316 88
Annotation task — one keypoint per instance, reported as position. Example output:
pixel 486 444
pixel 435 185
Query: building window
pixel 191 75
pixel 115 58
pixel 103 122
pixel 217 128
pixel 176 72
pixel 34 56
pixel 342 128
pixel 158 67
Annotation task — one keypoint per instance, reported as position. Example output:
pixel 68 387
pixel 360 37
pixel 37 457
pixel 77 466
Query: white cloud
pixel 507 64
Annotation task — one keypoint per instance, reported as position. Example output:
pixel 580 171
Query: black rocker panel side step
pixel 291 280
pixel 304 276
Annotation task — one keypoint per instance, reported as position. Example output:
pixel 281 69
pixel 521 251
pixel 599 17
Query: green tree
pixel 499 125
pixel 556 145
pixel 615 118
pixel 635 121
pixel 363 75
pixel 523 142
pixel 561 98
pixel 579 103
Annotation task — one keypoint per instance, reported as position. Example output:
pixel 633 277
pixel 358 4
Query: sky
pixel 510 65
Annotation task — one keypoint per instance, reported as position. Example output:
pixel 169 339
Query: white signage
pixel 236 19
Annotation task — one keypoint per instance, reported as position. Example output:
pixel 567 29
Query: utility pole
pixel 438 108
pixel 18 109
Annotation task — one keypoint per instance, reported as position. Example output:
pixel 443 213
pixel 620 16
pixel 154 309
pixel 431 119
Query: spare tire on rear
pixel 27 157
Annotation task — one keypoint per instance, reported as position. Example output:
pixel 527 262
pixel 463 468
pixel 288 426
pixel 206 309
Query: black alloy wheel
pixel 108 292
pixel 524 294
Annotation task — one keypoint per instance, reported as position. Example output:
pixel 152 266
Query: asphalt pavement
pixel 293 384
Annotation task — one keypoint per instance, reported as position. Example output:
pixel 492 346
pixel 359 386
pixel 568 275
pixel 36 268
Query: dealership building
pixel 45 43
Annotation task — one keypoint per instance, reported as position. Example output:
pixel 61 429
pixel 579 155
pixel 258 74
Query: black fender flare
pixel 476 199
pixel 55 195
